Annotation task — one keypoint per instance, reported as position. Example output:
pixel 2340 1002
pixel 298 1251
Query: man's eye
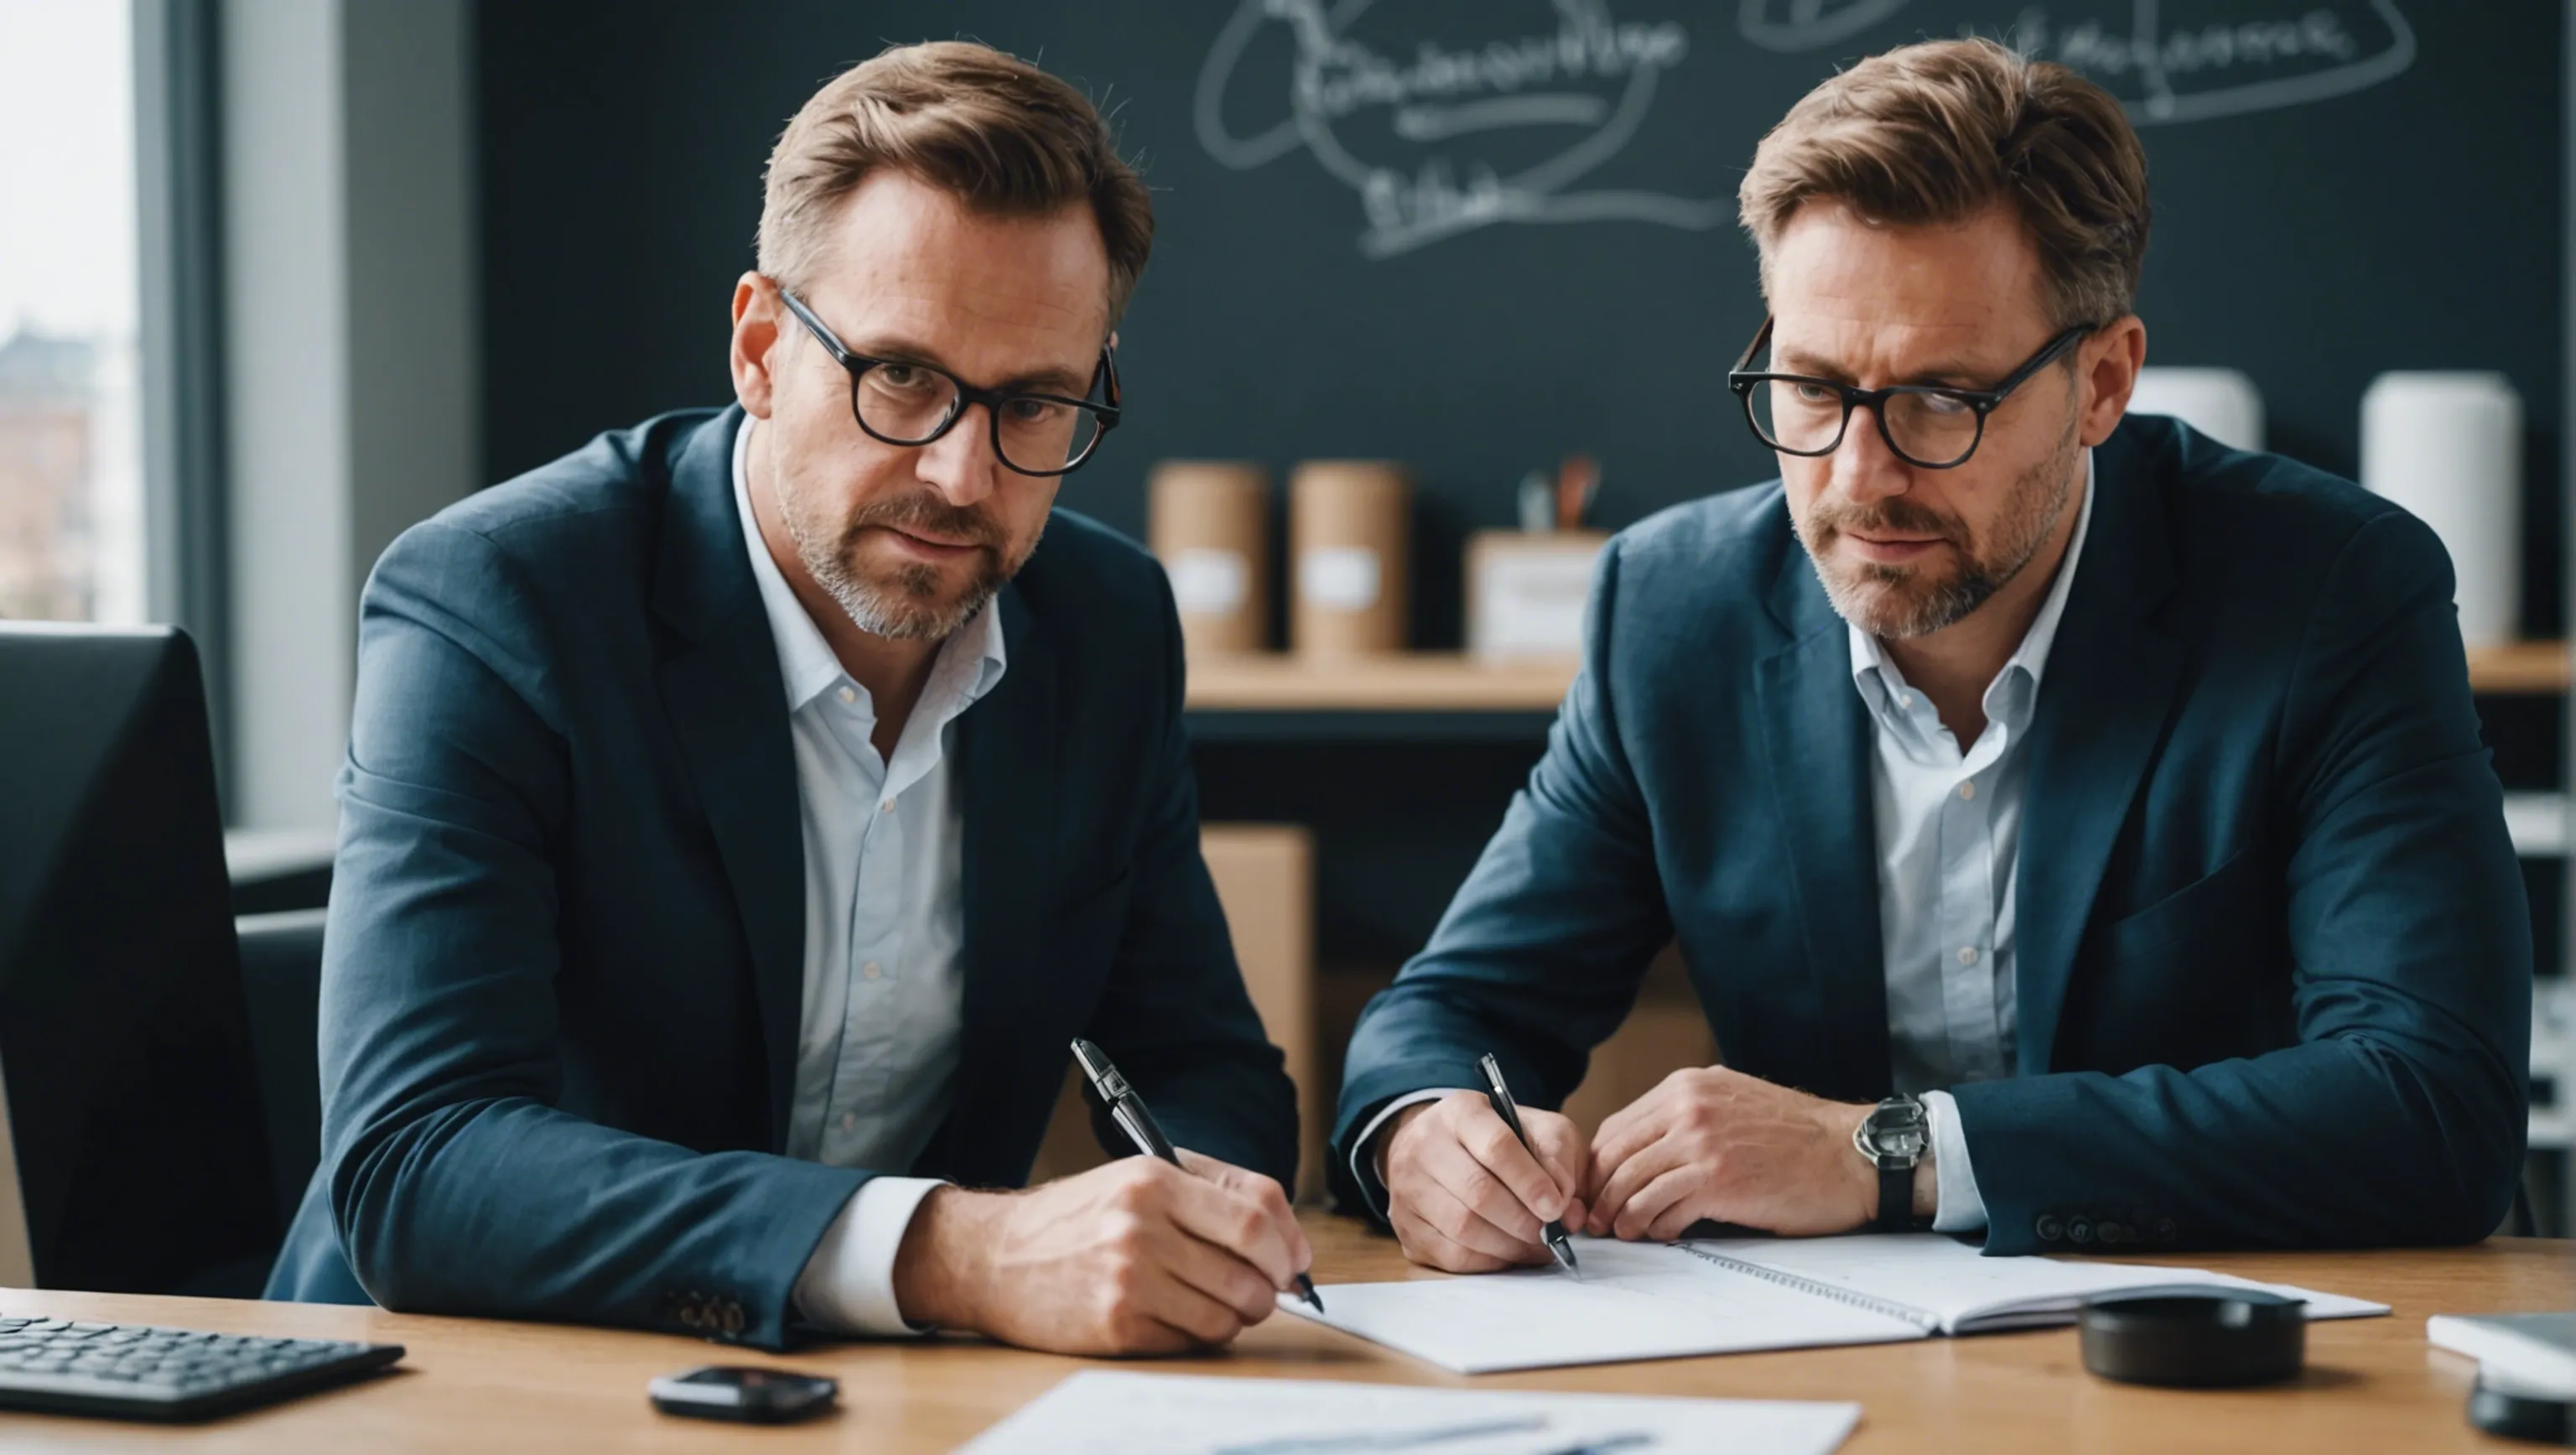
pixel 1034 411
pixel 906 378
pixel 1944 404
pixel 1812 393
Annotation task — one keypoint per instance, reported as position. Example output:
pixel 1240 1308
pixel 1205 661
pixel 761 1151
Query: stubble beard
pixel 1896 603
pixel 906 603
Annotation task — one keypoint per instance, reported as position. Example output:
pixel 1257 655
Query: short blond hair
pixel 1943 130
pixel 1000 134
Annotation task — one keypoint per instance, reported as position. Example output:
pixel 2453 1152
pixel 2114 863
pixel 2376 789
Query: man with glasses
pixel 743 814
pixel 2075 831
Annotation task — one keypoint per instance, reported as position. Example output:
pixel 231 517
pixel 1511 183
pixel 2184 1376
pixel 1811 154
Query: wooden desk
pixel 2372 1384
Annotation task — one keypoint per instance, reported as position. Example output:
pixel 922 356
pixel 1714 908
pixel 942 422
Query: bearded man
pixel 743 813
pixel 2076 831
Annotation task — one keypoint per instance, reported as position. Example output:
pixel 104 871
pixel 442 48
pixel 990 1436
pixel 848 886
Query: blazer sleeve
pixel 456 1183
pixel 1175 1015
pixel 1539 956
pixel 2400 1115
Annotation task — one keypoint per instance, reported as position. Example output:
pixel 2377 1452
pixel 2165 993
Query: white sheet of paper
pixel 1633 1301
pixel 1099 1412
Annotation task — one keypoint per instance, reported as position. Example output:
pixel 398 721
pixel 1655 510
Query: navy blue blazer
pixel 2274 961
pixel 565 956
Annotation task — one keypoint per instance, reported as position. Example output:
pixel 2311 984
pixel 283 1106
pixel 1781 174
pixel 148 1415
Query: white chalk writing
pixel 2195 72
pixel 1593 77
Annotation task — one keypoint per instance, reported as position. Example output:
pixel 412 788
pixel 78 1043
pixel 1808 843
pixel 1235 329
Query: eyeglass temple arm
pixel 1753 350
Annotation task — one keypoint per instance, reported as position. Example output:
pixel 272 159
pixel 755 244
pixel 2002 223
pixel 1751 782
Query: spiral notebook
pixel 1739 1295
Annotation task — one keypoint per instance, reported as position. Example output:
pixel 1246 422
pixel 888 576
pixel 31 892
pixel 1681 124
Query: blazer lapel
pixel 2104 701
pixel 1006 761
pixel 727 706
pixel 1815 735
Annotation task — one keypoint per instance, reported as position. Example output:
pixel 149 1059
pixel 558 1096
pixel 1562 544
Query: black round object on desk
pixel 2542 1417
pixel 2201 1341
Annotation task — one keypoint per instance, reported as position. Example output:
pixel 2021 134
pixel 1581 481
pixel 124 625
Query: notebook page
pixel 1968 1292
pixel 1634 1301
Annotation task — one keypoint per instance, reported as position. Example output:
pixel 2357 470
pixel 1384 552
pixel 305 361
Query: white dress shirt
pixel 876 1046
pixel 1949 839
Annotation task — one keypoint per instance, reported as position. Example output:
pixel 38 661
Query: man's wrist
pixel 1386 1135
pixel 936 1272
pixel 1862 1172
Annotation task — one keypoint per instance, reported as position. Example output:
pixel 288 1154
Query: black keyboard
pixel 128 1371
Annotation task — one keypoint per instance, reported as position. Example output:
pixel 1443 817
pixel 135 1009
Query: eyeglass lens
pixel 906 404
pixel 1809 418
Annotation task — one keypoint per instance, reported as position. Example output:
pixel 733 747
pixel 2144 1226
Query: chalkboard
pixel 1493 232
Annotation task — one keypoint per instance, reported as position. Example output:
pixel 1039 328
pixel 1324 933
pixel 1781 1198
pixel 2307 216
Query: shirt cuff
pixel 1957 1207
pixel 848 1285
pixel 1372 1186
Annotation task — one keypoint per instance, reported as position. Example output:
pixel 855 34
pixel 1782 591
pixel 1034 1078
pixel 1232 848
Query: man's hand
pixel 1138 1257
pixel 1713 1143
pixel 1463 1193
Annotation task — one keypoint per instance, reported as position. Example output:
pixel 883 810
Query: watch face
pixel 1899 1130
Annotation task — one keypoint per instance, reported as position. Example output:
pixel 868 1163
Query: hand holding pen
pixel 1133 1117
pixel 1466 1193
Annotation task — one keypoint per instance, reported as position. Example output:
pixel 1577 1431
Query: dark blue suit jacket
pixel 2274 963
pixel 565 959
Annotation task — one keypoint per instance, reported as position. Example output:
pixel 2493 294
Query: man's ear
pixel 2108 365
pixel 756 337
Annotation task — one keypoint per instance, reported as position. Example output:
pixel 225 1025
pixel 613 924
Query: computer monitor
pixel 136 1159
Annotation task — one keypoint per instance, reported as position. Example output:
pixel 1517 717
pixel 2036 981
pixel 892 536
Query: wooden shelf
pixel 1447 682
pixel 1409 682
pixel 2523 668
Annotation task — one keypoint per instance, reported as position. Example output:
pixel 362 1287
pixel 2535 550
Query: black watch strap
pixel 1895 1199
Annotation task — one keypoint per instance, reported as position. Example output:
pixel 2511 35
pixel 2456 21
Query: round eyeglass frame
pixel 1742 380
pixel 1105 377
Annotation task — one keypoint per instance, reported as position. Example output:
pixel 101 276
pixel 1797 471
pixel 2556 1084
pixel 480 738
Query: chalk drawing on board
pixel 1463 133
pixel 2166 62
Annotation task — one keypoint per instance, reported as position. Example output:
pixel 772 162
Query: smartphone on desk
pixel 746 1393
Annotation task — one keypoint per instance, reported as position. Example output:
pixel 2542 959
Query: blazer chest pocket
pixel 2229 900
pixel 2198 976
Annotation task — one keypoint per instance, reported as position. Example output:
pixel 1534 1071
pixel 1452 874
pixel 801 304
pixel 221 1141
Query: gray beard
pixel 907 610
pixel 1894 615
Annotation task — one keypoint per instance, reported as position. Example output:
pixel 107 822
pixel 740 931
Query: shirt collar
pixel 1872 670
pixel 805 660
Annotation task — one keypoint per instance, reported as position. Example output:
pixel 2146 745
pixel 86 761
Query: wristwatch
pixel 1894 1137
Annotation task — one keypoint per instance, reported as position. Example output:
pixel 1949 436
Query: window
pixel 72 543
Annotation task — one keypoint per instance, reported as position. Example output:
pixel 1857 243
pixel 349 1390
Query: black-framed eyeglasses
pixel 1928 425
pixel 905 402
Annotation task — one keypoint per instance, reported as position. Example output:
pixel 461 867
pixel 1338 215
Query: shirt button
pixel 886 807
pixel 849 1121
pixel 1967 954
pixel 1968 791
pixel 848 695
pixel 1905 699
pixel 872 970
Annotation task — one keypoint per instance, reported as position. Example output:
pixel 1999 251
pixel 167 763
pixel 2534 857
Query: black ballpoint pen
pixel 1501 1096
pixel 1128 1110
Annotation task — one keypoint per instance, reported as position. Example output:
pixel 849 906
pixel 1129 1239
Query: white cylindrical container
pixel 2448 447
pixel 2220 403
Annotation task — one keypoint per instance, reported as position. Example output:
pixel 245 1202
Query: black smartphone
pixel 744 1392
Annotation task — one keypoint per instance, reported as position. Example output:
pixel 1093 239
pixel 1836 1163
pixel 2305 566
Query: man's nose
pixel 1864 468
pixel 961 464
